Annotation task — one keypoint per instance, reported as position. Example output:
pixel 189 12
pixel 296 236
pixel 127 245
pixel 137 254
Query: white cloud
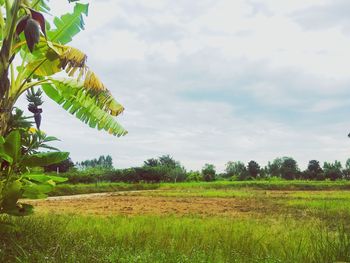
pixel 260 85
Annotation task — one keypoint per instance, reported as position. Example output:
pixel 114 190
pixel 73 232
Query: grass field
pixel 70 189
pixel 190 222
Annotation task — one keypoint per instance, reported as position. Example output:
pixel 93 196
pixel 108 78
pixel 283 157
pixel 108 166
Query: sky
pixel 212 81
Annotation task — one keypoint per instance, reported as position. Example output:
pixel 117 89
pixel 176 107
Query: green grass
pixel 333 205
pixel 263 184
pixel 72 238
pixel 295 226
pixel 71 189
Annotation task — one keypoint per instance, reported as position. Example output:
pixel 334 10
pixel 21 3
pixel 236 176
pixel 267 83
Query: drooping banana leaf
pixel 50 58
pixel 42 159
pixel 58 57
pixel 75 99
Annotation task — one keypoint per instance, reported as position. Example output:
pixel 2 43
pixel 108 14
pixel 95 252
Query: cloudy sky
pixel 209 81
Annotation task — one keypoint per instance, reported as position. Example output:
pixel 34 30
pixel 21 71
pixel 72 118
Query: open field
pixel 186 224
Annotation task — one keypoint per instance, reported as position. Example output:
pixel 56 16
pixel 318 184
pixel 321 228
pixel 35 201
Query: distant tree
pixel 61 167
pixel 208 172
pixel 104 162
pixel 152 162
pixel 274 167
pixel 264 172
pixel 347 164
pixel 314 166
pixel 332 171
pixel 164 168
pixel 253 169
pixel 346 171
pixel 221 176
pixel 101 161
pixel 289 168
pixel 168 161
pixel 313 171
pixel 177 174
pixel 109 162
pixel 237 169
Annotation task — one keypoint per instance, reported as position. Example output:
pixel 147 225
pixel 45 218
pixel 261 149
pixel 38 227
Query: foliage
pixel 289 168
pixel 17 158
pixel 33 139
pixel 177 174
pixel 347 164
pixel 152 162
pixel 18 121
pixel 236 169
pixel 155 171
pixel 208 172
pixel 253 169
pixel 274 167
pixel 194 176
pixel 40 50
pixel 332 171
pixel 103 162
pixel 61 167
pixel 161 169
pixel 168 161
pixel 32 51
pixel 313 171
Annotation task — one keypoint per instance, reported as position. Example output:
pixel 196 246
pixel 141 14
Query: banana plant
pixel 17 178
pixel 33 51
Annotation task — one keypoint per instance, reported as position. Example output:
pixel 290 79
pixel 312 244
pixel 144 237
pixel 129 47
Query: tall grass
pixel 103 187
pixel 72 238
pixel 70 189
pixel 264 184
pixel 296 226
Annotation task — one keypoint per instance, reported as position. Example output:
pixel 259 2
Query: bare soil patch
pixel 112 204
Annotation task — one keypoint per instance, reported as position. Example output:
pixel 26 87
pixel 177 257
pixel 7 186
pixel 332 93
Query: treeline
pixel 166 169
pixel 287 168
pixel 155 170
pixel 103 162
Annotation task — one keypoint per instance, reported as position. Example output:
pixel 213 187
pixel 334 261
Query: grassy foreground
pixel 286 224
pixel 67 238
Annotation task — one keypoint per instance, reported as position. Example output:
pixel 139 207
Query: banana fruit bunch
pixel 34 99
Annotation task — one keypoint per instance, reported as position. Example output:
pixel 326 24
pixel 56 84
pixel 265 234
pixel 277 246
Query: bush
pixel 194 176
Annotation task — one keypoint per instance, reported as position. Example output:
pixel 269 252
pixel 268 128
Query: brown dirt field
pixel 111 204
